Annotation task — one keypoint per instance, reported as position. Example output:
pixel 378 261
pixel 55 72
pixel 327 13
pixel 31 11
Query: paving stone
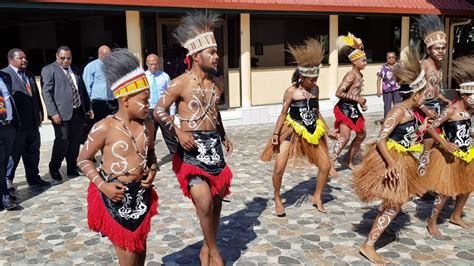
pixel 287 260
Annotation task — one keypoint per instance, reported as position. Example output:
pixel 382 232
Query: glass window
pixel 270 35
pixel 380 34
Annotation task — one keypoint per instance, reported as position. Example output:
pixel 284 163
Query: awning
pixel 441 7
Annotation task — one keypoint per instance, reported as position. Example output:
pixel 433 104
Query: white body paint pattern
pixel 94 129
pixel 121 166
pixel 142 106
pixel 382 222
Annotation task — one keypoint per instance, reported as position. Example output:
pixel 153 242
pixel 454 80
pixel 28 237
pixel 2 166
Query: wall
pixel 234 88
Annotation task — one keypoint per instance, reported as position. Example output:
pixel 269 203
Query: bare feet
pixel 460 222
pixel 216 258
pixel 370 253
pixel 318 204
pixel 279 208
pixel 204 255
pixel 433 228
pixel 346 163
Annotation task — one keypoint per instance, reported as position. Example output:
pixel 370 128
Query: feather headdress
pixel 350 46
pixel 463 73
pixel 431 30
pixel 196 31
pixel 308 57
pixel 409 71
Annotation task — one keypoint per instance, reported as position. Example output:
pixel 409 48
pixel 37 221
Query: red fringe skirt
pixel 340 117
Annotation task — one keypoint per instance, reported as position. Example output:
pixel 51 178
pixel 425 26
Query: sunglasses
pixel 65 58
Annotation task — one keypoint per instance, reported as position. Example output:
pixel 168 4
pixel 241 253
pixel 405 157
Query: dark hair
pixel 392 52
pixel 12 52
pixel 117 64
pixel 405 91
pixel 63 48
pixel 295 78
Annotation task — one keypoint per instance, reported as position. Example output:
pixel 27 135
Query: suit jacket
pixel 30 108
pixel 8 82
pixel 57 91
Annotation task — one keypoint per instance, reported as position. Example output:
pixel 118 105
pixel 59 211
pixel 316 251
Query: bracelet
pixel 93 180
pixel 101 183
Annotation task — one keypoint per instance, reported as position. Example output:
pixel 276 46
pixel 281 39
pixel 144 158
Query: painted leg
pixel 425 156
pixel 457 213
pixel 355 147
pixel 433 220
pixel 381 223
pixel 339 145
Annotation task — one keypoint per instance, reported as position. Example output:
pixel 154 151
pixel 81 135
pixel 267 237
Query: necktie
pixel 25 80
pixel 76 99
pixel 154 91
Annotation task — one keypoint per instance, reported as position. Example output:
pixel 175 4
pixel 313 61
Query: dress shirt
pixel 96 84
pixel 159 83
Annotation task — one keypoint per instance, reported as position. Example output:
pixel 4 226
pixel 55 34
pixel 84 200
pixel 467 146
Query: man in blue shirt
pixel 7 136
pixel 159 82
pixel 102 99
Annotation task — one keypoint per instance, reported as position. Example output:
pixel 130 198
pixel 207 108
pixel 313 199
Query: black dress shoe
pixel 13 193
pixel 39 182
pixel 73 173
pixel 55 174
pixel 8 202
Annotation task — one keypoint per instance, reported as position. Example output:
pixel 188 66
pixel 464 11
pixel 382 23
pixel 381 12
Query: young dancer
pixel 199 161
pixel 432 30
pixel 300 129
pixel 451 170
pixel 121 200
pixel 389 171
pixel 348 116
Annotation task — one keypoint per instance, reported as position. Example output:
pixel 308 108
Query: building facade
pixel 252 39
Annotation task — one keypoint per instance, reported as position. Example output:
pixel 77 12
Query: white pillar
pixel 405 33
pixel 333 55
pixel 245 66
pixel 134 36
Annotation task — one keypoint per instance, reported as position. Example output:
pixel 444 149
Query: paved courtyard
pixel 52 229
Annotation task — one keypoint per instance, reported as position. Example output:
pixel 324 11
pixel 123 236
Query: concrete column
pixel 134 34
pixel 405 32
pixel 449 50
pixel 333 55
pixel 245 66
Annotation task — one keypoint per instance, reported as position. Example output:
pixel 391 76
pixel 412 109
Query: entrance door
pixel 172 55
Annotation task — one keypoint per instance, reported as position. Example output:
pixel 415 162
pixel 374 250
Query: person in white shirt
pixel 159 82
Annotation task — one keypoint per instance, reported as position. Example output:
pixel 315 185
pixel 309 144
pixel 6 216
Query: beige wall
pixel 269 84
pixel 370 76
pixel 234 88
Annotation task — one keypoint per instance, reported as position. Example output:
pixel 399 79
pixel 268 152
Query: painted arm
pixel 393 119
pixel 345 85
pixel 95 142
pixel 443 117
pixel 287 99
pixel 152 163
pixel 171 95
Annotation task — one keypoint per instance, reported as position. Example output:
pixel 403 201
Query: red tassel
pixel 99 220
pixel 420 115
pixel 342 118
pixel 183 170
pixel 187 62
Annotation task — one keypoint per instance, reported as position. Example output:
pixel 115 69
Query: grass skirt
pixel 369 183
pixel 300 149
pixel 447 174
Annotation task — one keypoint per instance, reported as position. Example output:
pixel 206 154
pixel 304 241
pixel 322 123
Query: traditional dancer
pixel 348 116
pixel 300 133
pixel 451 170
pixel 389 170
pixel 121 200
pixel 199 161
pixel 432 30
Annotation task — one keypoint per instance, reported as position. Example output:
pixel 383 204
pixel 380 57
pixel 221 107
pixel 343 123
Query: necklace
pixel 207 104
pixel 134 143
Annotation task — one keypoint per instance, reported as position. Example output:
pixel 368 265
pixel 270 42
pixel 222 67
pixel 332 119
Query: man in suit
pixel 8 114
pixel 30 114
pixel 66 100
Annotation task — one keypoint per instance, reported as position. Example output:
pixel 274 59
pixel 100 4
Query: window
pixel 268 47
pixel 379 34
